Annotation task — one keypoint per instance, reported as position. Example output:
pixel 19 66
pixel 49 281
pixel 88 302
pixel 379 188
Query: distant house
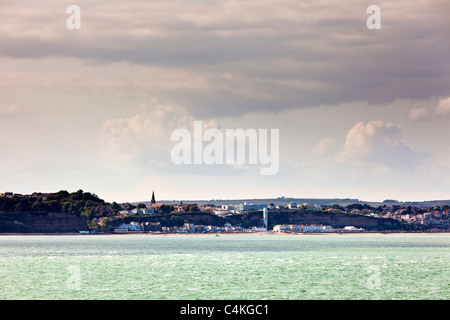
pixel 142 211
pixel 353 229
pixel 313 228
pixel 156 206
pixel 134 226
pixel 138 211
pixel 333 210
pixel 151 226
pixel 122 228
pixel 311 206
pixel 181 207
pixel 245 207
pixel 296 228
pixel 220 212
pixel 292 205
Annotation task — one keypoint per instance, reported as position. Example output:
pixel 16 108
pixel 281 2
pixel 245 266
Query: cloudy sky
pixel 361 113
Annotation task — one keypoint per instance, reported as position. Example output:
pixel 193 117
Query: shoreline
pixel 214 234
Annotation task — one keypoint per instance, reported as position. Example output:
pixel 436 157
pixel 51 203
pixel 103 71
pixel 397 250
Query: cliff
pixel 336 220
pixel 51 222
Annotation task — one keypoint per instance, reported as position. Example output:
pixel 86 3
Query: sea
pixel 366 266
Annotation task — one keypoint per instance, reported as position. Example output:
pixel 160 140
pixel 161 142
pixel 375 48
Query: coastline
pixel 141 233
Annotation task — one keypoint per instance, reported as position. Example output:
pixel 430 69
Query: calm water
pixel 359 266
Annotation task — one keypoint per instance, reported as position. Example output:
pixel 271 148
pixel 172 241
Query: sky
pixel 361 113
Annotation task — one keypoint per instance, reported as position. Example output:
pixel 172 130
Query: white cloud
pixel 144 138
pixel 6 110
pixel 443 108
pixel 324 146
pixel 419 114
pixel 379 146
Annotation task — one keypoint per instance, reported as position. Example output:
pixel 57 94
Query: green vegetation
pixel 95 212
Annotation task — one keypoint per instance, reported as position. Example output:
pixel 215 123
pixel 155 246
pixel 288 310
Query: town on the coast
pixel 84 212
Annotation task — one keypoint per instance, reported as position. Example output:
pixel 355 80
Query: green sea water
pixel 277 267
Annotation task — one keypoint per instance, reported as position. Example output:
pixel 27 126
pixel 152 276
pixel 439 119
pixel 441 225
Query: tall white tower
pixel 266 218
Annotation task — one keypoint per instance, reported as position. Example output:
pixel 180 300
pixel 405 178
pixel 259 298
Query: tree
pixel 93 224
pixel 192 208
pixel 22 206
pixel 166 208
pixel 354 206
pixel 77 195
pixel 106 224
pixel 60 195
pixel 129 206
pixel 176 221
pixel 53 205
pixel 66 207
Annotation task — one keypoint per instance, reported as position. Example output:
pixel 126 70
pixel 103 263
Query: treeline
pixel 88 206
pixel 95 212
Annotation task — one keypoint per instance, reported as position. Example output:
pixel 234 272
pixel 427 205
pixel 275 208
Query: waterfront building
pixel 353 229
pixel 189 227
pixel 134 226
pixel 312 228
pixel 296 228
pixel 292 205
pixel 283 228
pixel 122 228
pixel 151 226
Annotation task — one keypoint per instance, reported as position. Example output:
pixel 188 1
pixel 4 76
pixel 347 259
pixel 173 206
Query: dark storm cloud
pixel 277 56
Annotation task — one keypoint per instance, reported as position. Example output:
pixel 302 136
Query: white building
pixel 258 229
pixel 122 228
pixel 311 206
pixel 134 226
pixel 249 206
pixel 296 228
pixel 312 228
pixel 285 228
pixel 292 205
pixel 138 211
pixel 189 227
pixel 282 228
pixel 220 212
pixel 353 229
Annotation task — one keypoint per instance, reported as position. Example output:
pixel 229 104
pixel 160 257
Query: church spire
pixel 153 197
